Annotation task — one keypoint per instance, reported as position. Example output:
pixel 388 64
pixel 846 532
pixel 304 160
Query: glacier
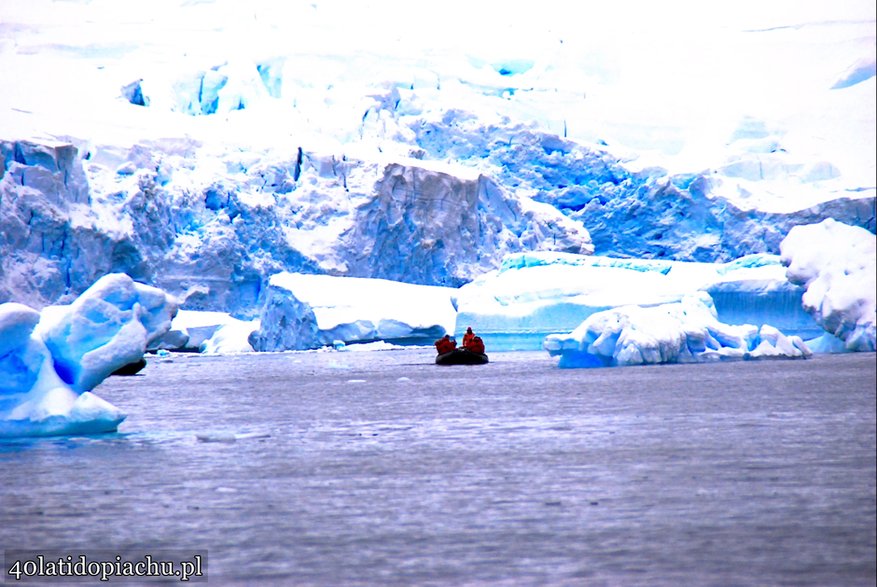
pixel 536 168
pixel 214 240
pixel 51 361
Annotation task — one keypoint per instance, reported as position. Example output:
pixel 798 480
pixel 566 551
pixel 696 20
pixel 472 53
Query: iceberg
pixel 837 264
pixel 51 361
pixel 212 333
pixel 110 325
pixel 687 331
pixel 311 311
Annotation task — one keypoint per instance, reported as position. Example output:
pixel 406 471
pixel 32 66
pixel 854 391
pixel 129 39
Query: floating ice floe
pixel 310 311
pixel 50 362
pixel 215 333
pixel 837 264
pixel 681 332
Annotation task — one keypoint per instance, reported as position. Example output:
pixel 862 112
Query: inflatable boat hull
pixel 461 357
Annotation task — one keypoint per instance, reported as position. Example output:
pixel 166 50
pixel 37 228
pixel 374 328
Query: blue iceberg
pixel 51 361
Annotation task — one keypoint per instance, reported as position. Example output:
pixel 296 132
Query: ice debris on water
pixel 229 437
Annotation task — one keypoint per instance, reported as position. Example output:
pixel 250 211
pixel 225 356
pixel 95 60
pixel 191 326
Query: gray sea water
pixel 380 468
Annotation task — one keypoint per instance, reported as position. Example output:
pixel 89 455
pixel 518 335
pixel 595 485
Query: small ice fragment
pixel 249 435
pixel 217 437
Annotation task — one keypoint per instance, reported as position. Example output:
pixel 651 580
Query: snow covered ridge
pixel 51 361
pixel 838 266
pixel 312 311
pixel 682 332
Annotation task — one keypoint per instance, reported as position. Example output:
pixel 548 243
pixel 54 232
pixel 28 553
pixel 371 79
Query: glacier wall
pixel 49 241
pixel 426 226
pixel 212 227
pixel 646 213
pixel 422 192
pixel 685 223
pixel 205 172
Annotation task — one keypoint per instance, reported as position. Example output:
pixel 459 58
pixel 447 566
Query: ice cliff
pixel 215 235
pixel 48 235
pixel 212 227
pixel 311 311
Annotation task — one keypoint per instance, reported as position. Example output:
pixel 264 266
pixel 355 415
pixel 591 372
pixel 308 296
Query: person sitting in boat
pixel 467 338
pixel 476 345
pixel 445 344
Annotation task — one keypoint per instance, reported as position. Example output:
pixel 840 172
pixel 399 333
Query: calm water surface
pixel 343 468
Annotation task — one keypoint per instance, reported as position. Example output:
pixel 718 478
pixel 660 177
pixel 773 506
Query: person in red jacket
pixel 445 344
pixel 476 345
pixel 467 338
